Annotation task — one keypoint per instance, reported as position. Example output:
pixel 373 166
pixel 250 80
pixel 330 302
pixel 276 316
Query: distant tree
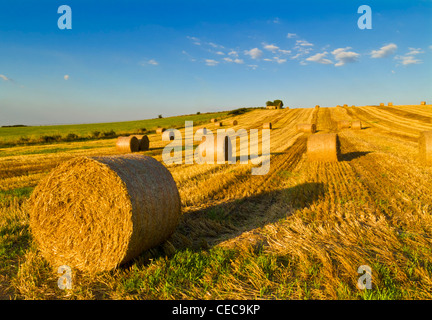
pixel 269 103
pixel 198 112
pixel 160 116
pixel 278 103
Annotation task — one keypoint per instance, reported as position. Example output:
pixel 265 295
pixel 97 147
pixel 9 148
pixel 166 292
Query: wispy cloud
pixel 211 62
pixel 343 56
pixel 151 62
pixel 238 61
pixel 320 58
pixel 279 60
pixel 384 51
pixel 291 35
pixel 194 40
pixel 255 53
pixel 271 47
pixel 409 58
pixel 304 43
pixel 233 53
pixel 252 66
pixel 2 76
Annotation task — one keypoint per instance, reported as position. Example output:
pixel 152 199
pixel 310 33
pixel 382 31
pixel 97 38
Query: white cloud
pixel 238 61
pixel 409 58
pixel 320 58
pixel 284 51
pixel 291 35
pixel 228 59
pixel 220 53
pixel 271 47
pixel 214 45
pixel 384 51
pixel 278 60
pixel 233 53
pixel 66 77
pixel 343 56
pixel 255 53
pixel 303 43
pixel 267 59
pixel 153 62
pixel 194 40
pixel 2 76
pixel 296 56
pixel 253 66
pixel 211 62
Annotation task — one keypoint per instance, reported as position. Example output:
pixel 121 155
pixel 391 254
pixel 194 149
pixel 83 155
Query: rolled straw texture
pixel 324 147
pixel 127 144
pixel 95 213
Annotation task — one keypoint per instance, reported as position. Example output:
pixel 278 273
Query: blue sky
pixel 129 60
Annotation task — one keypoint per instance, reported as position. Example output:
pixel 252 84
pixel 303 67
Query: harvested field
pixel 298 232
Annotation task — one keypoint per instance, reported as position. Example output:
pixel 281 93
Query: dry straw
pixel 306 127
pixel 425 147
pixel 390 103
pixel 234 122
pixel 144 142
pixel 382 104
pixel 423 103
pixel 324 147
pixel 95 213
pixel 267 125
pixel 343 124
pixel 317 107
pixel 127 144
pixel 218 124
pixel 356 125
pixel 160 130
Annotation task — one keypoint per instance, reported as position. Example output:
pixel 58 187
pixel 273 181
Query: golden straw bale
pixel 425 147
pixel 306 127
pixel 423 103
pixel 356 125
pixel 343 124
pixel 217 149
pixel 218 124
pixel 382 104
pixel 213 120
pixel 317 107
pixel 127 144
pixel 323 147
pixel 267 125
pixel 95 213
pixel 234 122
pixel 390 104
pixel 160 130
pixel 144 142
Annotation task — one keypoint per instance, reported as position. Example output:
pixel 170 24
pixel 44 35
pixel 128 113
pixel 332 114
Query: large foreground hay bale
pixel 127 144
pixel 95 213
pixel 343 124
pixel 356 125
pixel 306 127
pixel 323 147
pixel 425 147
pixel 267 125
pixel 144 142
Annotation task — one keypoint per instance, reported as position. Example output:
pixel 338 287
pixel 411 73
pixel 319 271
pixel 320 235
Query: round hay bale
pixel 356 125
pixel 267 125
pixel 213 120
pixel 234 122
pixel 425 147
pixel 345 105
pixel 216 149
pixel 95 213
pixel 343 124
pixel 144 142
pixel 324 147
pixel 160 130
pixel 127 144
pixel 317 107
pixel 382 104
pixel 423 103
pixel 218 124
pixel 306 127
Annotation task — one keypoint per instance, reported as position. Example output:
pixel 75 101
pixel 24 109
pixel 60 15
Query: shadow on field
pixel 353 155
pixel 204 228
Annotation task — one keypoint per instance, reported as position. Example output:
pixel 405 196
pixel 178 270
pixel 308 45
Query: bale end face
pixel 160 130
pixel 267 125
pixel 425 147
pixel 356 125
pixel 306 127
pixel 423 103
pixel 95 213
pixel 144 142
pixel 127 144
pixel 324 147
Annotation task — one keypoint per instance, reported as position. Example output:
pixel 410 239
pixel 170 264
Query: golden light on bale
pixel 317 107
pixel 234 122
pixel 218 124
pixel 96 213
pixel 345 105
pixel 356 125
pixel 423 103
pixel 323 147
pixel 390 104
pixel 144 142
pixel 267 125
pixel 343 124
pixel 127 144
pixel 382 104
pixel 425 147
pixel 306 127
pixel 213 120
pixel 160 130
pixel 220 148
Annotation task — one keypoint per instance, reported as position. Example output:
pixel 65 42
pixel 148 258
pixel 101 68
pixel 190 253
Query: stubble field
pixel 299 232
